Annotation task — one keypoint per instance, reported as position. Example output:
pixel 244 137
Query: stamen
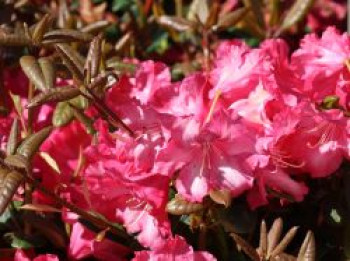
pixel 212 107
pixel 285 164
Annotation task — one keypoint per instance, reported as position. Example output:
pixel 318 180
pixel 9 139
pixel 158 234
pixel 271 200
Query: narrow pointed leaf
pixel 17 103
pixel 50 161
pixel 15 40
pixel 274 235
pixel 10 180
pixel 31 68
pixel 263 240
pixel 62 115
pixel 177 23
pixel 179 206
pixel 123 42
pixel 40 208
pixel 95 27
pixel 246 247
pixel 213 15
pixel 222 197
pixel 40 28
pixel 230 19
pixel 94 56
pixel 54 95
pixel 274 9
pixel 17 161
pixel 66 36
pixel 199 10
pixel 101 235
pixel 121 67
pixel 12 142
pixel 72 60
pixel 307 251
pixel 295 14
pixel 284 242
pixel 48 71
pixel 257 8
pixel 31 144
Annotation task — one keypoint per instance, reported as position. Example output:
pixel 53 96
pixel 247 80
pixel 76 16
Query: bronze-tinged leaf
pixel 93 59
pixel 246 247
pixel 121 67
pixel 17 161
pixel 230 19
pixel 284 257
pixel 179 206
pixel 40 28
pixel 123 42
pixel 257 8
pixel 65 18
pixel 31 144
pixel 95 27
pixel 284 242
pixel 263 240
pixel 99 82
pixel 274 235
pixel 177 23
pixel 66 36
pixel 307 251
pixel 249 25
pixel 213 15
pixel 79 102
pixel 62 114
pixel 54 95
pixel 101 235
pixel 222 197
pixel 31 68
pixel 40 208
pixel 12 142
pixel 15 40
pixel 10 180
pixel 48 71
pixel 274 10
pixel 199 10
pixel 295 14
pixel 72 60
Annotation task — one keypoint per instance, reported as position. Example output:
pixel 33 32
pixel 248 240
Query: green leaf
pixel 335 216
pixel 17 102
pixel 18 242
pixel 121 5
pixel 295 14
pixel 62 115
pixel 160 43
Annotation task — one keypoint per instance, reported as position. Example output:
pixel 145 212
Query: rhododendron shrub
pixel 107 157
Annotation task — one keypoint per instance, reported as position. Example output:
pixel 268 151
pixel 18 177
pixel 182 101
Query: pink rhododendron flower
pixel 149 79
pixel 139 202
pixel 207 150
pixel 321 61
pixel 57 167
pixel 83 244
pixel 319 141
pixel 237 70
pixel 175 249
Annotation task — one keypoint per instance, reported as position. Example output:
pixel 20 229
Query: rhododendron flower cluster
pixel 260 120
